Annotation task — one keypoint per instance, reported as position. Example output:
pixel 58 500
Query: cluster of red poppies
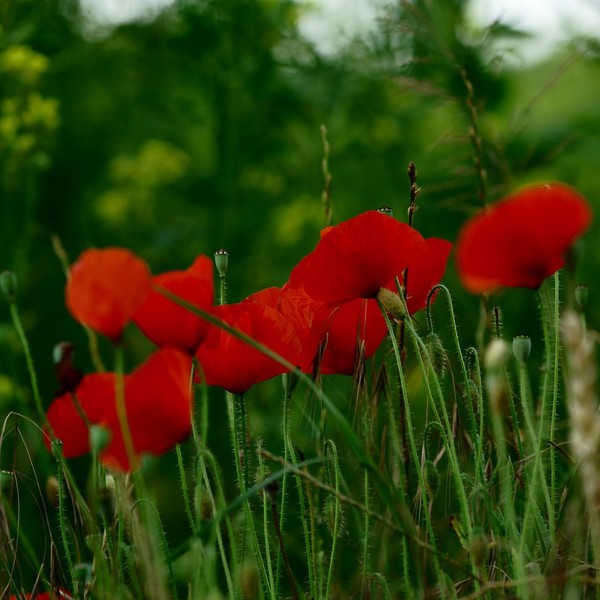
pixel 323 320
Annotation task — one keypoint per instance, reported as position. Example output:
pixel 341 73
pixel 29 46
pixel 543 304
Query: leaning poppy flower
pixel 168 324
pixel 158 405
pixel 331 339
pixel 343 276
pixel 521 240
pixel 358 257
pixel 231 363
pixel 105 288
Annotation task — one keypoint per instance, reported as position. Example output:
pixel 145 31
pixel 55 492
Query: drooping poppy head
pixel 233 364
pixel 105 288
pixel 158 407
pixel 331 339
pixel 166 323
pixel 358 257
pixel 337 284
pixel 521 240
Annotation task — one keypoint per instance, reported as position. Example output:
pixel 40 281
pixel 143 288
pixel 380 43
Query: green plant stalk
pixel 184 490
pixel 413 449
pixel 286 454
pixel 427 369
pixel 366 493
pixel 16 319
pixel 312 579
pixel 266 535
pixel 479 470
pixel 233 593
pixel 238 437
pixel 61 518
pixel 506 492
pixel 366 533
pixel 331 447
pixel 535 481
pixel 163 540
pixel 121 408
pixel 549 400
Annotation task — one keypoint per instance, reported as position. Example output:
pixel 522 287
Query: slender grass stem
pixel 16 319
pixel 121 408
pixel 414 452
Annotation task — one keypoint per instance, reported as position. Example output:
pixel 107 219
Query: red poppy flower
pixel 234 365
pixel 158 405
pixel 521 240
pixel 166 323
pixel 343 275
pixel 331 339
pixel 105 288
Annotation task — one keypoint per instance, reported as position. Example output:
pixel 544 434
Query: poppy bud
pixel 99 437
pixel 52 490
pixel 392 303
pixel 581 295
pixel 522 347
pixel 221 261
pixel 478 548
pixel 8 285
pixel 386 210
pixel 249 579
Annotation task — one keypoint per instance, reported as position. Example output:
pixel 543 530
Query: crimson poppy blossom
pixel 233 364
pixel 331 339
pixel 158 406
pixel 166 323
pixel 343 275
pixel 521 240
pixel 105 288
pixel 358 257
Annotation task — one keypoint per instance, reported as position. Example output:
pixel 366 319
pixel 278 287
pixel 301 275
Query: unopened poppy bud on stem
pixel 581 295
pixel 392 303
pixel 8 285
pixel 221 260
pixel 522 347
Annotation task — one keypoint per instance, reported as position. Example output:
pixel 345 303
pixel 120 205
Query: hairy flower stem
pixel 121 408
pixel 16 319
pixel 414 451
pixel 237 423
pixel 330 448
pixel 471 398
pixel 203 457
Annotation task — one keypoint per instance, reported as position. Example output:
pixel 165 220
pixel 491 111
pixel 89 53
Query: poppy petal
pixel 521 240
pixel 105 288
pixel 167 324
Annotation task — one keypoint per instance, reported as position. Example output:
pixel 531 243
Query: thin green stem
pixel 413 449
pixel 240 451
pixel 16 319
pixel 184 490
pixel 121 408
pixel 330 447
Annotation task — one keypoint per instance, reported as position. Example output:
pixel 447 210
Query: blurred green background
pixel 201 129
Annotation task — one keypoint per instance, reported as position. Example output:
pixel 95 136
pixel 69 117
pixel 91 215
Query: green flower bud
pixel 8 285
pixel 581 295
pixel 392 303
pixel 478 548
pixel 99 437
pixel 386 210
pixel 522 347
pixel 221 260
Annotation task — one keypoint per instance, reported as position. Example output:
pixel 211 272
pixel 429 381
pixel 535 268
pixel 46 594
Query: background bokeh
pixel 200 129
